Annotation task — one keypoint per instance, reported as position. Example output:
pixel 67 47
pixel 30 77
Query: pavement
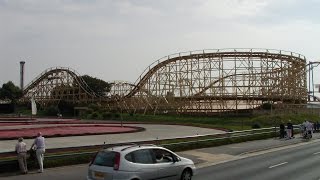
pixel 152 132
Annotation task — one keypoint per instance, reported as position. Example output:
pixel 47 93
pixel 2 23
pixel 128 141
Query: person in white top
pixel 309 126
pixel 21 150
pixel 39 143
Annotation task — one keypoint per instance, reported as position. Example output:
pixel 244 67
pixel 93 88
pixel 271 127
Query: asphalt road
pixel 77 172
pixel 297 163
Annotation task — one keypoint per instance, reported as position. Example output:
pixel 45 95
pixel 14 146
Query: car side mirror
pixel 175 159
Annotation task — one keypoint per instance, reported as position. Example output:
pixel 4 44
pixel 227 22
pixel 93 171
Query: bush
pixel 89 116
pixel 66 108
pixel 117 115
pixel 267 106
pixel 51 111
pixel 106 115
pixel 95 107
pixel 256 125
pixel 94 115
pixel 89 111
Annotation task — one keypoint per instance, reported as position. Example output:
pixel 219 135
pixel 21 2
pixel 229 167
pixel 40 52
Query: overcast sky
pixel 117 40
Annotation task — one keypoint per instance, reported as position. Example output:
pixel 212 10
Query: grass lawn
pixel 231 123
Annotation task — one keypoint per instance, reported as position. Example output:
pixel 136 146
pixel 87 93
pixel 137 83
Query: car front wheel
pixel 186 174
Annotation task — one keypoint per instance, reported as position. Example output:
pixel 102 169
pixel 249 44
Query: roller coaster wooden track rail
pixel 59 83
pixel 206 81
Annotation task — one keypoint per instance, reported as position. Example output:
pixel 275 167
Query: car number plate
pixel 99 175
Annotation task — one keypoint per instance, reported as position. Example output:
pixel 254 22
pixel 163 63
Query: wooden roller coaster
pixel 207 81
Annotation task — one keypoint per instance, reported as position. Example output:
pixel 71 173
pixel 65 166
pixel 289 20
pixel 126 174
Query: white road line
pixel 278 165
pixel 316 153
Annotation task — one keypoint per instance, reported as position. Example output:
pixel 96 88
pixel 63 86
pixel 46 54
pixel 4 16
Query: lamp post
pixel 121 116
pixel 311 90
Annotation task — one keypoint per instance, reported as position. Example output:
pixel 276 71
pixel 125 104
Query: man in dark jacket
pixel 290 130
pixel 282 132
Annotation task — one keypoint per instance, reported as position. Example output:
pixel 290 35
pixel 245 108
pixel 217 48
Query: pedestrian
pixel 316 126
pixel 302 129
pixel 308 129
pixel 289 130
pixel 21 150
pixel 39 143
pixel 282 132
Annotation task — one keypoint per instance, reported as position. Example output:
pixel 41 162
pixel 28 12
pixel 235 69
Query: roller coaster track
pixel 120 88
pixel 42 86
pixel 219 53
pixel 225 77
pixel 266 75
pixel 200 81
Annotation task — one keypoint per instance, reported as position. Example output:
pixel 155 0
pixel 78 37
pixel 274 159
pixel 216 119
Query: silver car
pixel 139 162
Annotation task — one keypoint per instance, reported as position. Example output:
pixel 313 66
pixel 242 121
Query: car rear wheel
pixel 186 174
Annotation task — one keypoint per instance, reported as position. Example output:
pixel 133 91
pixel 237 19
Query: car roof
pixel 133 147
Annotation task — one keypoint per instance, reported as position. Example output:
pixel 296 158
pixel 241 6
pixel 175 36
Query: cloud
pixel 101 37
pixel 231 9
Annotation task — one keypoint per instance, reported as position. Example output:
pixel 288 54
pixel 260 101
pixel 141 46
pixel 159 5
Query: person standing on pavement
pixel 39 143
pixel 21 150
pixel 315 127
pixel 282 132
pixel 289 130
pixel 309 128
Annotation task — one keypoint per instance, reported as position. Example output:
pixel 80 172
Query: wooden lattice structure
pixel 120 89
pixel 59 83
pixel 214 81
pixel 208 81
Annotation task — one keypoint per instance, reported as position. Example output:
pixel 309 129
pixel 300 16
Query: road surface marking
pixel 278 165
pixel 316 153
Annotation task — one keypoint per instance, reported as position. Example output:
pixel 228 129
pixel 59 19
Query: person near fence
pixel 302 129
pixel 39 143
pixel 289 130
pixel 282 132
pixel 21 150
pixel 309 127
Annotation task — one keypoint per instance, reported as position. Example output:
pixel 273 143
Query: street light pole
pixel 121 117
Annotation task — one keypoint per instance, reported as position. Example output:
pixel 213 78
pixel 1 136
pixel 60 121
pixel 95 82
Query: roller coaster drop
pixel 208 81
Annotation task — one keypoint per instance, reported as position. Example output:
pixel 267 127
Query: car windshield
pixel 105 158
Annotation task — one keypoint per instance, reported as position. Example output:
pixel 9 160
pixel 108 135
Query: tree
pixel 99 86
pixel 10 91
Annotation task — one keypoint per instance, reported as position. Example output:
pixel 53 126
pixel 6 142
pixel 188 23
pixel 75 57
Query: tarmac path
pixel 152 132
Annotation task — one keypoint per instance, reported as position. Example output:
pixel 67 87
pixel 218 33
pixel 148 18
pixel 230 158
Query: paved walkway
pixel 152 132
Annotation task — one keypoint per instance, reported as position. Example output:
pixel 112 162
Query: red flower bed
pixel 59 131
